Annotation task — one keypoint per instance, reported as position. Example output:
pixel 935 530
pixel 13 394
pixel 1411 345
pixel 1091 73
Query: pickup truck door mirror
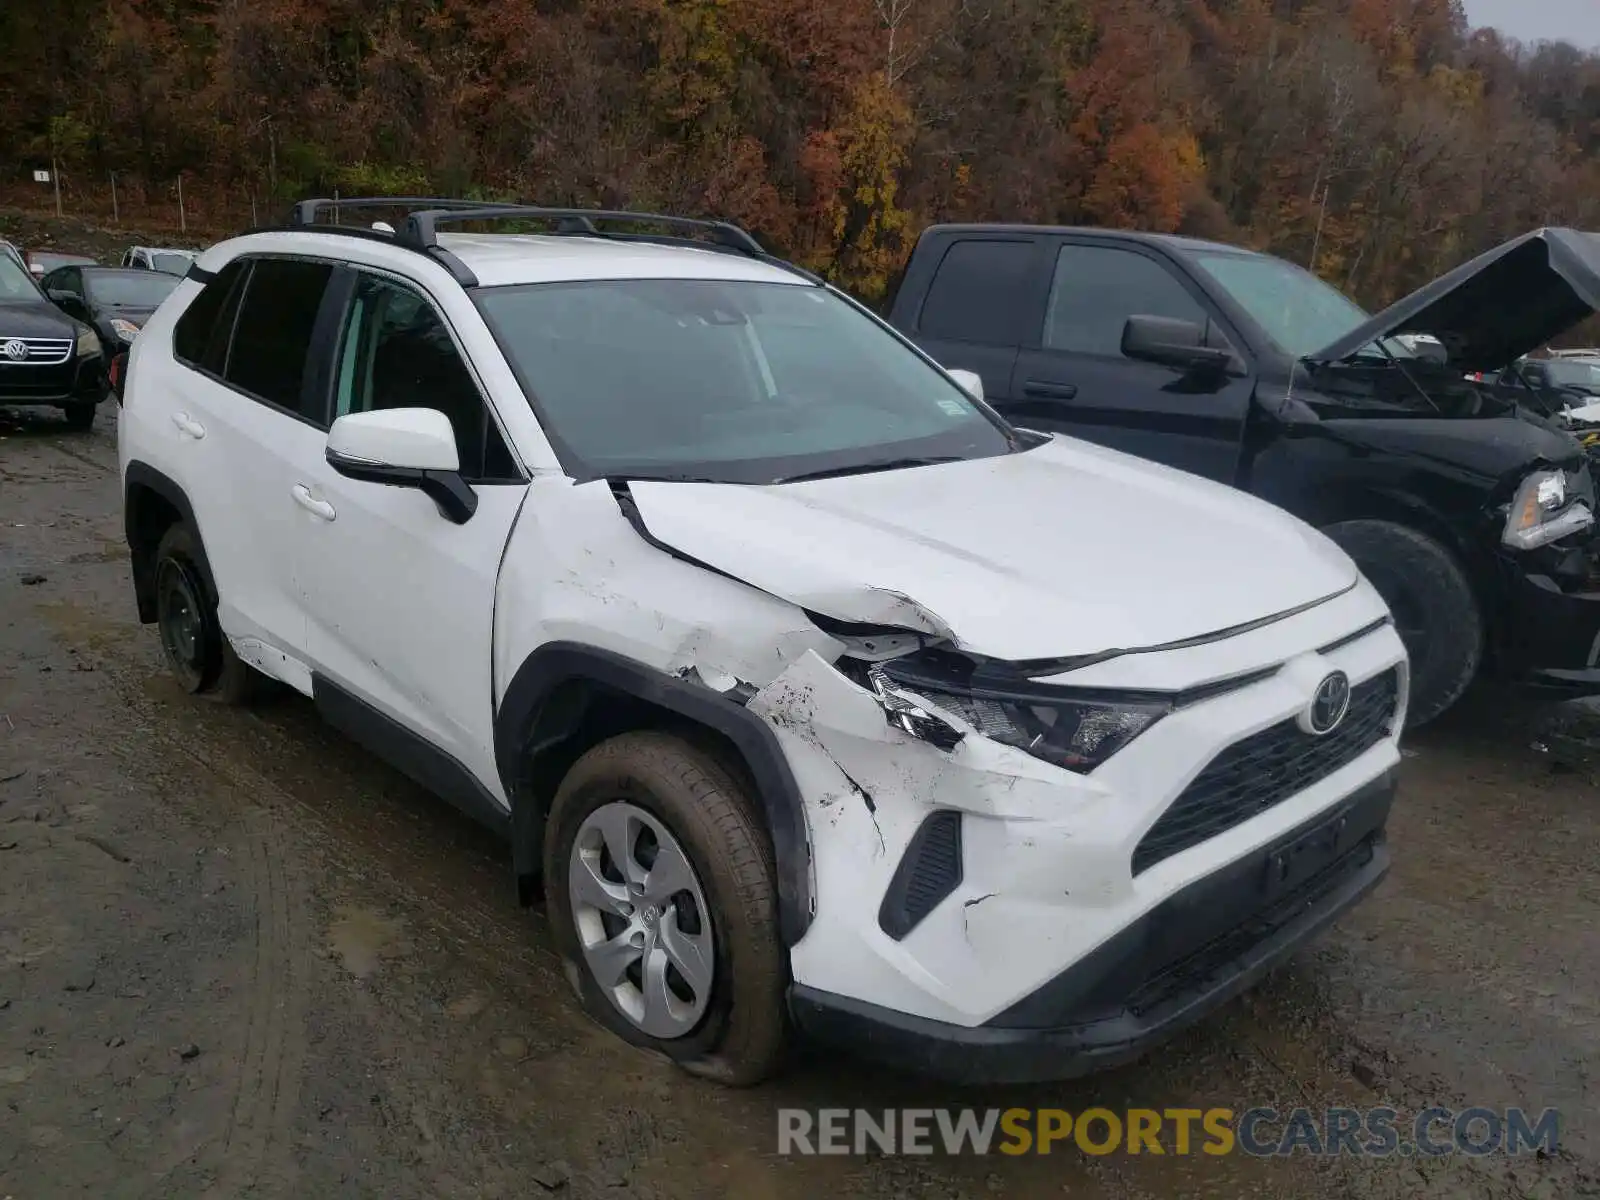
pixel 404 447
pixel 971 382
pixel 1173 343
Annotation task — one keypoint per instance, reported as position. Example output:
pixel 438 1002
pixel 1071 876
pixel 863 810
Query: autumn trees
pixel 1380 140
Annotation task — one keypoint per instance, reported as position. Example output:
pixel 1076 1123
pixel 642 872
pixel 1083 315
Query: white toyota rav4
pixel 813 693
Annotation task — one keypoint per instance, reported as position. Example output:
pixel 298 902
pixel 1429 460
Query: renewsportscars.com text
pixel 1261 1132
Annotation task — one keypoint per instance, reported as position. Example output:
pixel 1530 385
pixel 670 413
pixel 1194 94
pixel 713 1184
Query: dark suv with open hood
pixel 1471 513
pixel 46 357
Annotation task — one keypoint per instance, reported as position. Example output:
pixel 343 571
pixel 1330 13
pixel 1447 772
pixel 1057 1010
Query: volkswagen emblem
pixel 1329 703
pixel 15 349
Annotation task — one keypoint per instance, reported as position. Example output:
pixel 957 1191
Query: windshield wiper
pixel 883 464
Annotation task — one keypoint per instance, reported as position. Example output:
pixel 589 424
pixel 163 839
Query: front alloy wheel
pixel 641 919
pixel 661 888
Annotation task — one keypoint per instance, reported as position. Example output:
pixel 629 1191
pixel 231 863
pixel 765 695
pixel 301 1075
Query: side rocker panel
pixel 527 725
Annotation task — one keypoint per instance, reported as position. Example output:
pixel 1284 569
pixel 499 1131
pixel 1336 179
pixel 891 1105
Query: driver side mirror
pixel 1174 343
pixel 404 447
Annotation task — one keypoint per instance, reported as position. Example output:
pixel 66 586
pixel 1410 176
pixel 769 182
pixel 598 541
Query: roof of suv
pixel 499 260
pixel 508 258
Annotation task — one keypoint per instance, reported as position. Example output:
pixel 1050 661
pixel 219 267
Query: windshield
pixel 1573 373
pixel 15 282
pixel 1298 311
pixel 727 381
pixel 173 262
pixel 131 289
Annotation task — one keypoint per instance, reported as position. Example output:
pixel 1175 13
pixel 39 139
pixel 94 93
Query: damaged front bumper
pixel 971 896
pixel 1550 635
pixel 1182 959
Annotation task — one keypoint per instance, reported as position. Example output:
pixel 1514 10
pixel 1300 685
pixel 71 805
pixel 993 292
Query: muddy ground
pixel 241 958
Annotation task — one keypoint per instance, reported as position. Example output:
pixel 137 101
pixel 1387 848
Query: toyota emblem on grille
pixel 1329 703
pixel 16 350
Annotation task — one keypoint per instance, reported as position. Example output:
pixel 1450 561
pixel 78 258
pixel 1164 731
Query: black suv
pixel 46 357
pixel 1470 513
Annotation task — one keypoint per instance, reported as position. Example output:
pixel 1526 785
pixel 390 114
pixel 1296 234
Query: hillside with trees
pixel 1380 140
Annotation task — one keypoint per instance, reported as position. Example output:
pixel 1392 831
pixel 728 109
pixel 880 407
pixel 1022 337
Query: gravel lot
pixel 239 957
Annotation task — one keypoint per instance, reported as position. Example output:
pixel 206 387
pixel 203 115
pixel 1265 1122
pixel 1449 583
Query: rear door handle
pixel 317 508
pixel 188 426
pixel 1039 389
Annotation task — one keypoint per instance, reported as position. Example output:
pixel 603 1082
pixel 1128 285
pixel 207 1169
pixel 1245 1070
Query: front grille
pixel 1267 768
pixel 35 351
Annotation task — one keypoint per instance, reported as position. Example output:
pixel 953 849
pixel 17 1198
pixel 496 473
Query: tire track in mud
pixel 265 1104
pixel 255 1146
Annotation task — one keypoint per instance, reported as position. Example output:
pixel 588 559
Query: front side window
pixel 130 289
pixel 272 333
pixel 737 382
pixel 1097 288
pixel 397 353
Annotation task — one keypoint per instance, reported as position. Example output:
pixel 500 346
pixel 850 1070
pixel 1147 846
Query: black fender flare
pixel 527 728
pixel 140 474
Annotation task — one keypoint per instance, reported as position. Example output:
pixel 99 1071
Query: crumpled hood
pixel 1500 306
pixel 1064 550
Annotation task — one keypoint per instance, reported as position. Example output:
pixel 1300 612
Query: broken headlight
pixel 1544 510
pixel 1076 730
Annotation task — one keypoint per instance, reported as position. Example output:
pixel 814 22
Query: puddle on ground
pixel 363 938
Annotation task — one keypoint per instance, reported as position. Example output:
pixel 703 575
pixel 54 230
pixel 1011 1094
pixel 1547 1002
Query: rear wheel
pixel 1434 609
pixel 659 883
pixel 196 649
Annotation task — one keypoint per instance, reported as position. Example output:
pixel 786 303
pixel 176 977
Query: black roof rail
pixel 306 212
pixel 420 229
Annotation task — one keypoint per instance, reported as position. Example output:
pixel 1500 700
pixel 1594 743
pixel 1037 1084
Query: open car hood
pixel 1066 550
pixel 1500 306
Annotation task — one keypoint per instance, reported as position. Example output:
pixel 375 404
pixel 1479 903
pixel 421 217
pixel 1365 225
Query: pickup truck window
pixel 975 290
pixel 1097 288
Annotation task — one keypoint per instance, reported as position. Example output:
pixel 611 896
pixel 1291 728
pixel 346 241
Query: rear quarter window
pixel 200 336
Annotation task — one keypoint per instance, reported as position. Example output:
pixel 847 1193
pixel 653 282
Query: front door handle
pixel 1039 389
pixel 317 508
pixel 188 426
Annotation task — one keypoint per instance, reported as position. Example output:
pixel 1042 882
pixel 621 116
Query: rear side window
pixel 1097 288
pixel 200 336
pixel 977 293
pixel 272 335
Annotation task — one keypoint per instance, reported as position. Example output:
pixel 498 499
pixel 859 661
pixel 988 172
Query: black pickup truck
pixel 1472 514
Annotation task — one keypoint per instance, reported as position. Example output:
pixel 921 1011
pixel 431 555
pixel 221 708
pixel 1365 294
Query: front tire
pixel 659 884
pixel 196 649
pixel 1434 609
pixel 80 415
